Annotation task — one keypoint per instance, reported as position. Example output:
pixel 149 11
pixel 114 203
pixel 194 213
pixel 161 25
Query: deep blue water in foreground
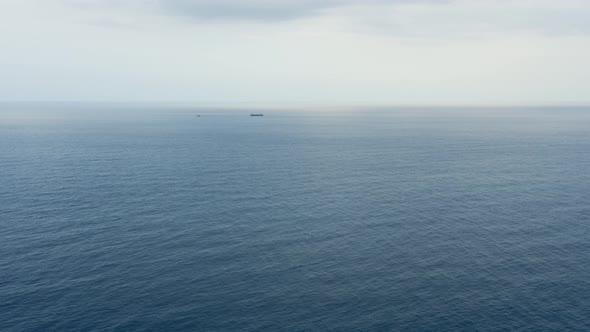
pixel 129 218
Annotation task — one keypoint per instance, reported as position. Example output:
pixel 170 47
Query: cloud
pixel 460 51
pixel 474 19
pixel 261 10
pixel 239 10
pixel 408 18
pixel 257 10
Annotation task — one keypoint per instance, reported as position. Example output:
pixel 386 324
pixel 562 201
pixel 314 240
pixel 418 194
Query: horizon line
pixel 289 104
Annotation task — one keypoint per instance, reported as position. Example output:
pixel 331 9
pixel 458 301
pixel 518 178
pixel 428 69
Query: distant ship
pixel 256 114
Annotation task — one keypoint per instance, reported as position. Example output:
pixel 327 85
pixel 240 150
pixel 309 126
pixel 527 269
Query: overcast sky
pixel 304 51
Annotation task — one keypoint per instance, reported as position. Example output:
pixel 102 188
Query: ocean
pixel 123 217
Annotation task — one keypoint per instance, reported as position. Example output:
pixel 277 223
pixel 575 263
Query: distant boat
pixel 256 114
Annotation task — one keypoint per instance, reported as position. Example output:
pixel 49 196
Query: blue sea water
pixel 144 218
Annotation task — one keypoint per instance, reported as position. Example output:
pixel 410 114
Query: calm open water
pixel 130 218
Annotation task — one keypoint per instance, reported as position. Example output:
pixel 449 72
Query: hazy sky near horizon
pixel 322 51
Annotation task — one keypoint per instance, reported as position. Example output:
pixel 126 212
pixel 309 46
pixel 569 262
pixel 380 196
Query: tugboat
pixel 256 114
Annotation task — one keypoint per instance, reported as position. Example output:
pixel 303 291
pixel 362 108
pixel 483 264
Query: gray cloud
pixel 258 10
pixel 480 51
pixel 241 10
pixel 264 10
pixel 445 18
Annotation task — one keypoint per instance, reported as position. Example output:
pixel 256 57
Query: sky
pixel 386 52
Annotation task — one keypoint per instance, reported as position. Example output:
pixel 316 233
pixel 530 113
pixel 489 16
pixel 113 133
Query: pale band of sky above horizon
pixel 439 52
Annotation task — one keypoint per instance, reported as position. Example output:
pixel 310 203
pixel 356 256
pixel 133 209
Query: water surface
pixel 144 218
